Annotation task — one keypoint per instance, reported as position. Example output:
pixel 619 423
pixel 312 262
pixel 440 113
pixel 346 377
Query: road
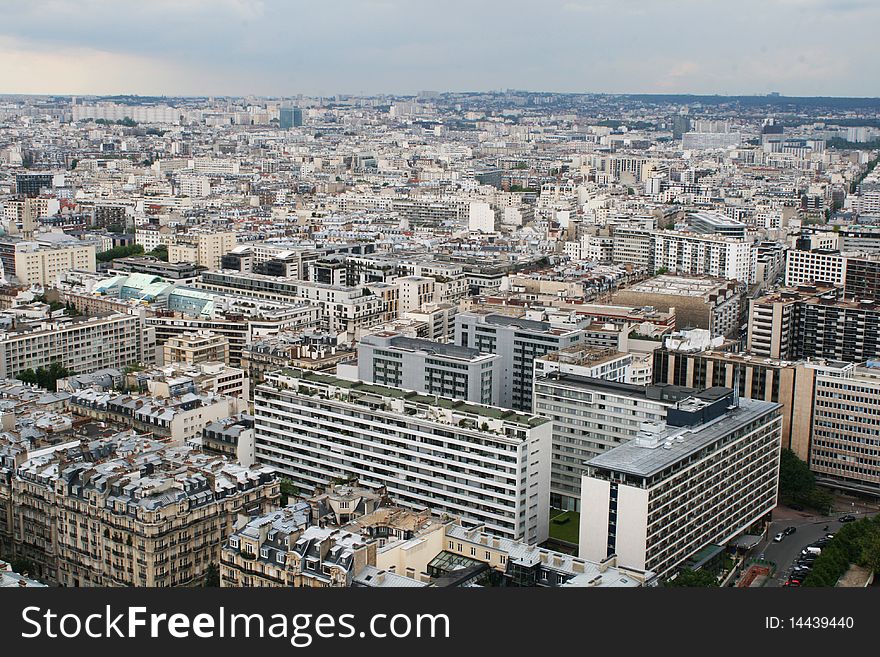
pixel 809 529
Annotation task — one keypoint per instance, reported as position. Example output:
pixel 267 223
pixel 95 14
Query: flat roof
pixel 632 458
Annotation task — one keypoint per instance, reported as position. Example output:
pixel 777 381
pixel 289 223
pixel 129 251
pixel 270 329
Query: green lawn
pixel 565 531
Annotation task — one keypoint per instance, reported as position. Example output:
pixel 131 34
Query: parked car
pixel 788 531
pixel 847 518
pixel 812 550
pixel 778 538
pixel 829 536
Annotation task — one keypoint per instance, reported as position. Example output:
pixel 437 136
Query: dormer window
pixel 233 541
pixel 264 553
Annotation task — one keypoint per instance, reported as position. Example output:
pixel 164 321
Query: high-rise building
pixel 705 477
pixel 591 416
pixel 290 117
pixel 518 342
pixel 483 463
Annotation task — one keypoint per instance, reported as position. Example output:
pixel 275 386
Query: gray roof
pixel 681 443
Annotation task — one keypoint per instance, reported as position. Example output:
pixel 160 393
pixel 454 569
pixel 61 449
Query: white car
pixel 778 538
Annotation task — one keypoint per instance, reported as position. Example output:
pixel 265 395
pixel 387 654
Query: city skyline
pixel 242 47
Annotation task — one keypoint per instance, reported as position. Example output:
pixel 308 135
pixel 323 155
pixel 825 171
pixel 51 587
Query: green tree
pixel 288 490
pixel 795 477
pixel 160 252
pixel 212 576
pixel 119 252
pixel 694 578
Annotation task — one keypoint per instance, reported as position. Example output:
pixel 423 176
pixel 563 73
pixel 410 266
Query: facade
pixel 704 477
pixel 202 249
pixel 488 464
pixel 703 255
pixel 38 263
pixel 82 344
pixel 196 347
pixel 130 511
pixel 518 342
pixel 431 367
pixel 845 448
pixel 585 360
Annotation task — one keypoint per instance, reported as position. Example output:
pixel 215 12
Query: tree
pixel 694 578
pixel 212 576
pixel 870 556
pixel 160 252
pixel 288 490
pixel 119 252
pixel 795 477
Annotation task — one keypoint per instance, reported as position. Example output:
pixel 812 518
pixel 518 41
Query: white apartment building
pixel 481 217
pixel 485 464
pixel 706 476
pixel 591 416
pixel 81 345
pixel 809 267
pixel 431 367
pixel 698 255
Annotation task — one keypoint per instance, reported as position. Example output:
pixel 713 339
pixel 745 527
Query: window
pixel 233 541
pixel 264 553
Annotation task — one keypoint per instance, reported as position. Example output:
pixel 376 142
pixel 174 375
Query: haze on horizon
pixel 278 48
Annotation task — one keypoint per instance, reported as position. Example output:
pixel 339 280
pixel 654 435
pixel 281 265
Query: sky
pixel 328 47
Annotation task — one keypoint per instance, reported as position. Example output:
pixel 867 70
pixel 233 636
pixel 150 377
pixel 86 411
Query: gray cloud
pixel 276 47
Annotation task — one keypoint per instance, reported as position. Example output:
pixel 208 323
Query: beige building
pixel 196 347
pixel 204 249
pixel 147 515
pixel 42 264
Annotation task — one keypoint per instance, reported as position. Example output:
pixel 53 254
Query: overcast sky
pixel 325 47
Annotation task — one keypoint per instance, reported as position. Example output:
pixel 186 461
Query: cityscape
pixel 439 339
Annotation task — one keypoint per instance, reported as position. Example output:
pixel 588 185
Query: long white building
pixel 698 255
pixel 486 464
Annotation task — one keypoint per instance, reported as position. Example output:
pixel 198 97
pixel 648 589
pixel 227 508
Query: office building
pixel 845 448
pixel 518 342
pixel 487 464
pixel 431 367
pixel 290 117
pixel 705 477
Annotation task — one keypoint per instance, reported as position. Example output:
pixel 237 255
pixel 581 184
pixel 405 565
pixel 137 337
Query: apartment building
pixel 585 360
pixel 845 448
pixel 80 344
pixel 232 437
pixel 42 263
pixel 589 417
pixel 484 463
pixel 633 245
pixel 704 477
pixel 431 367
pixel 788 383
pixel 196 347
pixel 178 420
pixel 814 322
pixel 518 342
pixel 281 548
pixel 130 511
pixel 703 255
pixel 204 249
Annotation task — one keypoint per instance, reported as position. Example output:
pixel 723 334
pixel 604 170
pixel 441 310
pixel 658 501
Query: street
pixel 809 529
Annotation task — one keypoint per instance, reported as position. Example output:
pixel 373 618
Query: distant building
pixel 290 117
